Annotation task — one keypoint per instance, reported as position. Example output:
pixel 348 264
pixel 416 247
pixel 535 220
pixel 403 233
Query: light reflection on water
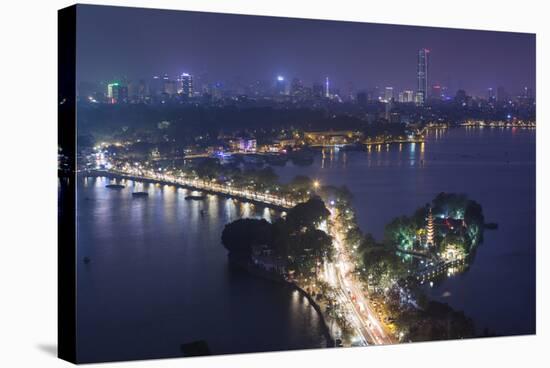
pixel 159 277
pixel 158 259
pixel 495 167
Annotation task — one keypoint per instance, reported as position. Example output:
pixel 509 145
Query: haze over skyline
pixel 116 42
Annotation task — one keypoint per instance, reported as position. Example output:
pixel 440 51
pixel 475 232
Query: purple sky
pixel 137 43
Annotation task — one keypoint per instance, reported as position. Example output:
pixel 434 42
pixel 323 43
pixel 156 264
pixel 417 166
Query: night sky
pixel 137 43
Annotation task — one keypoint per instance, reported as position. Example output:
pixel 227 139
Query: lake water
pixel 159 277
pixel 493 166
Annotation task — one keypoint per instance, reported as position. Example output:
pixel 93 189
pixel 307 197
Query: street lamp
pixel 316 184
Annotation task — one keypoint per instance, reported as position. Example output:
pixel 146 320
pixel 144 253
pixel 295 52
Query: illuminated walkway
pixel 208 186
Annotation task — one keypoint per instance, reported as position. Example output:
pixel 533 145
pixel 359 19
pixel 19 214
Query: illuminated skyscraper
pixel 422 74
pixel 112 91
pixel 186 85
pixel 419 98
pixel 117 93
pixel 280 85
pixel 327 88
pixel 169 86
pixel 155 86
pixel 406 96
pixel 388 94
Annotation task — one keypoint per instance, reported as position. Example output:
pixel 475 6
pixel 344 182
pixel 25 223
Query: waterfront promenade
pixel 210 187
pixel 365 323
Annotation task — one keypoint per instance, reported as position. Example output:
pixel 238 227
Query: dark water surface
pixel 159 277
pixel 493 166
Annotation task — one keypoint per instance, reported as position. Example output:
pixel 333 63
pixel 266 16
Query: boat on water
pixel 140 194
pixel 195 197
pixel 115 186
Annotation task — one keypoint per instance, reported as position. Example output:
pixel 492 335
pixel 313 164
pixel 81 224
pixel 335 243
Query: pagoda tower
pixel 430 230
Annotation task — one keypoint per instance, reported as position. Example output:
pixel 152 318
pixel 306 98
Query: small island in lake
pixel 383 279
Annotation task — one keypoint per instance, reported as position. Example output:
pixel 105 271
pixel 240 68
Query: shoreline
pixel 112 175
pixel 270 276
pixel 251 270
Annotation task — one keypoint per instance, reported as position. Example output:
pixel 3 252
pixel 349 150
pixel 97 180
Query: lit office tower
pixel 112 91
pixel 280 85
pixel 422 75
pixel 388 94
pixel 155 86
pixel 169 86
pixel 408 96
pixel 327 88
pixel 186 84
pixel 116 93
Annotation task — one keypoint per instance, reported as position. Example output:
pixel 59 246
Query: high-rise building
pixel 112 92
pixel 141 90
pixel 280 85
pixel 186 84
pixel 373 94
pixel 419 98
pixel 296 88
pixel 461 97
pixel 388 94
pixel 407 96
pixel 133 90
pixel 422 74
pixel 401 97
pixel 155 86
pixel 117 93
pixel 436 91
pixel 327 88
pixel 395 118
pixel 169 87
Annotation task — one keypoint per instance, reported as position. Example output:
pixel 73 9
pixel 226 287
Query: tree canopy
pixel 241 235
pixel 307 214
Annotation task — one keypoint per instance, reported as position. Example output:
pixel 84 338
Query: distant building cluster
pixel 243 145
pixel 390 104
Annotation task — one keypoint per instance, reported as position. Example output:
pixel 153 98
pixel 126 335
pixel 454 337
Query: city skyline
pixel 354 56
